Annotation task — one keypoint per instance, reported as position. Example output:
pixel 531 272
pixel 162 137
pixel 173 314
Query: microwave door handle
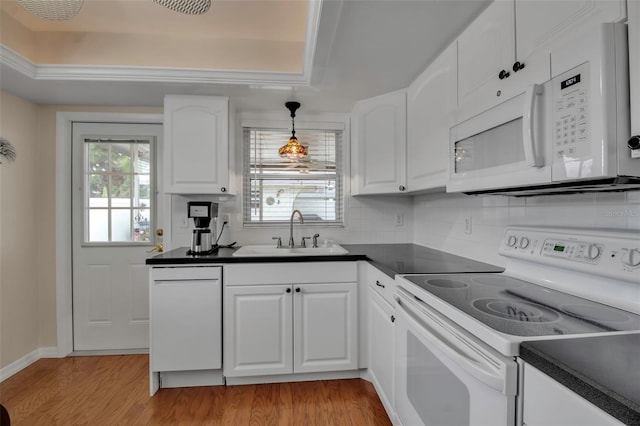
pixel 528 125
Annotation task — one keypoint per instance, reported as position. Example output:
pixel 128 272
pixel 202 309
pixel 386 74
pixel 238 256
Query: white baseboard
pixel 298 377
pixel 27 360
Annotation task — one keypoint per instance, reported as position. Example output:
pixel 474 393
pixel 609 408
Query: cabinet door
pixel 381 360
pixel 186 331
pixel 258 330
pixel 634 64
pixel 539 23
pixel 486 47
pixel 196 141
pixel 379 131
pixel 325 327
pixel 431 99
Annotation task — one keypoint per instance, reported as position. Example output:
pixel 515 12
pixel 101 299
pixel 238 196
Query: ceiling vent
pixel 188 7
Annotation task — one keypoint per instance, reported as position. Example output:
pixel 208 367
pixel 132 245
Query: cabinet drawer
pixel 382 283
pixel 186 273
pixel 290 273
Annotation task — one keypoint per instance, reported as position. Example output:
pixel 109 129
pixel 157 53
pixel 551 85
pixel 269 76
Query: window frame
pixel 153 209
pixel 320 121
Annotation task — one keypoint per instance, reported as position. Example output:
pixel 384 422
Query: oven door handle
pixel 459 350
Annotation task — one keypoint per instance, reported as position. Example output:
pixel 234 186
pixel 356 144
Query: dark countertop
pixel 603 370
pixel 391 259
pixel 395 259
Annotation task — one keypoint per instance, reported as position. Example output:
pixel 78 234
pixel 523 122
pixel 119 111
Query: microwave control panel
pixel 571 117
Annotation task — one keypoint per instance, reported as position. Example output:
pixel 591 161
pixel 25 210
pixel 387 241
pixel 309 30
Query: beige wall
pixel 19 186
pixel 28 259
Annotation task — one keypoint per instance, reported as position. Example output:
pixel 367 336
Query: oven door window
pixel 498 146
pixel 446 403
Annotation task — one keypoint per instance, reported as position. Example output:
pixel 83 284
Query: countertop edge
pixel 602 397
pixel 256 259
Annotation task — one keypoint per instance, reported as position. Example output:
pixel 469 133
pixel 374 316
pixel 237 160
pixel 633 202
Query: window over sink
pixel 275 186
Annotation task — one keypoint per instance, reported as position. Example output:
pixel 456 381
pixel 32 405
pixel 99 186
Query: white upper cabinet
pixel 507 48
pixel 634 68
pixel 540 23
pixel 485 50
pixel 196 151
pixel 431 99
pixel 379 135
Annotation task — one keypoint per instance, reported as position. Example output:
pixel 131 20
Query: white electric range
pixel 458 335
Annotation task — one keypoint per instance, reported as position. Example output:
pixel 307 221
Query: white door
pixel 113 227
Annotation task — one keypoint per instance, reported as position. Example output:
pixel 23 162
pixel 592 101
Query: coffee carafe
pixel 202 237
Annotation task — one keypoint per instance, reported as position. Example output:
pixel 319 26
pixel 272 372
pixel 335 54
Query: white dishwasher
pixel 186 326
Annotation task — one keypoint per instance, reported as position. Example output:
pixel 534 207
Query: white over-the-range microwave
pixel 567 134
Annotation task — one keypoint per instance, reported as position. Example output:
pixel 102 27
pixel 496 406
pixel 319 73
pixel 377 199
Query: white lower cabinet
pixel 381 348
pixel 547 402
pixel 381 310
pixel 290 318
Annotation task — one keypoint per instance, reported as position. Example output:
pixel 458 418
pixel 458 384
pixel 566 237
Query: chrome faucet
pixel 293 213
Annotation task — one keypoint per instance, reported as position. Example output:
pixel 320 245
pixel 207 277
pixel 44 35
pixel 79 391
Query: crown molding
pixel 26 67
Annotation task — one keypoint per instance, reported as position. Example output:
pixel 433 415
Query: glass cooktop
pixel 517 307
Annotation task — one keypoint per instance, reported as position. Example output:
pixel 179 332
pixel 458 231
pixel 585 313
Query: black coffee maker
pixel 202 238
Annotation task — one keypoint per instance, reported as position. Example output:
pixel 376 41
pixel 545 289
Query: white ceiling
pixel 364 48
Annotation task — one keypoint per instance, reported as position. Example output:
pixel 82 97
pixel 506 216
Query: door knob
pixel 634 142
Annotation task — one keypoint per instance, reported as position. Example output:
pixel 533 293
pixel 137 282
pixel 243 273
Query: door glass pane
pixel 98 157
pixel 121 157
pixel 98 225
pixel 494 147
pixel 437 395
pixel 119 190
pixel 98 191
pixel 141 230
pixel 121 225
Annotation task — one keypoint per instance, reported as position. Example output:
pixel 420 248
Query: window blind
pixel 273 187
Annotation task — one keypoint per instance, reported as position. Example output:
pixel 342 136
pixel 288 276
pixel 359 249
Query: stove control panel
pixel 578 251
pixel 601 252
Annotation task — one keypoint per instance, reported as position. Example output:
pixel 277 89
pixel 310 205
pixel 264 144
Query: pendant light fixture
pixel 293 150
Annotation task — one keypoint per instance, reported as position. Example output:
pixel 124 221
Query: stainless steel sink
pixel 269 250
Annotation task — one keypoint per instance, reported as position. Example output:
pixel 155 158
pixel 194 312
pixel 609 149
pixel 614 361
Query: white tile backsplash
pixel 437 218
pixel 367 220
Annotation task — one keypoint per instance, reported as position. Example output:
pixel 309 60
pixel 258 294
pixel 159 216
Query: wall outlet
pixel 225 218
pixel 399 221
pixel 184 223
pixel 467 225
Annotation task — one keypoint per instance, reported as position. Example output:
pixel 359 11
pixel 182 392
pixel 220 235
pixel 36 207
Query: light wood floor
pixel 114 390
